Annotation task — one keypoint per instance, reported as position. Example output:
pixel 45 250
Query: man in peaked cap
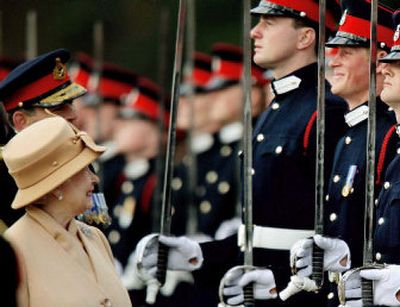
pixel 386 240
pixel 31 92
pixel 345 198
pixel 284 149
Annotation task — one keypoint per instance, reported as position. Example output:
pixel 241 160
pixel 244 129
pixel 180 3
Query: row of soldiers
pixel 123 110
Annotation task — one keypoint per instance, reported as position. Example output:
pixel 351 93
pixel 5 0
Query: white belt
pixel 273 238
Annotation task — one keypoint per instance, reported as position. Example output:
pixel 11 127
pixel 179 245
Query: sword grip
pixel 367 293
pixel 248 295
pixel 317 274
pixel 162 261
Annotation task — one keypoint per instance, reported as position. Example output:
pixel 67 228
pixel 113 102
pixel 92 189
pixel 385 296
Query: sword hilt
pixel 317 274
pixel 162 261
pixel 367 293
pixel 248 293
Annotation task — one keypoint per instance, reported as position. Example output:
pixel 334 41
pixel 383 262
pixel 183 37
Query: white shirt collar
pixel 285 85
pixel 137 168
pixel 356 116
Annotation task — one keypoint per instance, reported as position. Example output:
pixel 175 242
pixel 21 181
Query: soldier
pixel 98 113
pixel 345 198
pixel 30 92
pixel 386 240
pixel 283 153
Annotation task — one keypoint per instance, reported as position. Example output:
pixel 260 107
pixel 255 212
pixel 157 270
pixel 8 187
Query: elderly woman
pixel 64 262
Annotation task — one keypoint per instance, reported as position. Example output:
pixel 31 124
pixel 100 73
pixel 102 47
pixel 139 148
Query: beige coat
pixel 57 271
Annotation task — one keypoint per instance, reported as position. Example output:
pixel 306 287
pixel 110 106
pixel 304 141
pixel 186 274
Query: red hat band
pixel 35 89
pixel 201 77
pixel 361 28
pixel 227 69
pixel 309 7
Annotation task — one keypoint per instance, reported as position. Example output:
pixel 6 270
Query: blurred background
pixel 133 29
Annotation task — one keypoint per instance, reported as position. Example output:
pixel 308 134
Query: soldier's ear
pixel 20 120
pixel 379 65
pixel 307 38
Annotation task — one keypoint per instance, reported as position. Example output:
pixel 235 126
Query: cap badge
pixel 343 19
pixel 60 70
pixel 396 34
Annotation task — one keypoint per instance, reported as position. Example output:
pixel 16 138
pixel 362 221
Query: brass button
pixel 376 201
pixel 381 221
pixel 347 140
pixel 226 151
pixel 275 106
pixel 330 295
pixel 211 177
pixel 336 178
pixel 114 236
pixel 205 207
pixel 127 187
pixel 386 185
pixel 398 151
pixel 333 217
pixel 176 183
pixel 223 187
pixel 253 171
pixel 278 149
pixel 327 197
pixel 260 137
pixel 378 256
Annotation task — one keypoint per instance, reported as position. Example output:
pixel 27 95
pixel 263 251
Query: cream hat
pixel 44 155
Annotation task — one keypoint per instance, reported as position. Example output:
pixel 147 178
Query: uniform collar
pixel 137 168
pixel 110 152
pixel 201 142
pixel 304 75
pixel 357 115
pixel 231 133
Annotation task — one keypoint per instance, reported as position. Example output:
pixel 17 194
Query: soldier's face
pixel 350 75
pixel 391 84
pixel 275 41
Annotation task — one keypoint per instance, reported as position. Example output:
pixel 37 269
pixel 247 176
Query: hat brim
pixel 340 41
pixel 65 94
pixel 216 84
pixel 28 195
pixel 391 57
pixel 266 10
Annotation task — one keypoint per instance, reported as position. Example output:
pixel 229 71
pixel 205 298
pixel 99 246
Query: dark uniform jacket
pixel 284 146
pixel 387 232
pixel 215 196
pixel 131 216
pixel 344 209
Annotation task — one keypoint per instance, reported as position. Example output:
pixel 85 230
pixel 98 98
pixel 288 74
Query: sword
pixel 191 225
pixel 318 254
pixel 248 152
pixel 165 226
pixel 366 285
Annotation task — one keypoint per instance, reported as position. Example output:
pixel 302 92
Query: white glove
pixel 335 250
pixel 228 228
pixel 386 284
pixel 136 277
pixel 352 289
pixel 184 254
pixel 236 279
pixel 173 279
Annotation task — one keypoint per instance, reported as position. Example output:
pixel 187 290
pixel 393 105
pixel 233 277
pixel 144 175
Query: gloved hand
pixel 184 254
pixel 236 279
pixel 173 279
pixel 386 284
pixel 228 228
pixel 352 289
pixel 336 255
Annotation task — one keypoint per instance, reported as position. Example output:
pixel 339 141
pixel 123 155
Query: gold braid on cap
pixel 60 70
